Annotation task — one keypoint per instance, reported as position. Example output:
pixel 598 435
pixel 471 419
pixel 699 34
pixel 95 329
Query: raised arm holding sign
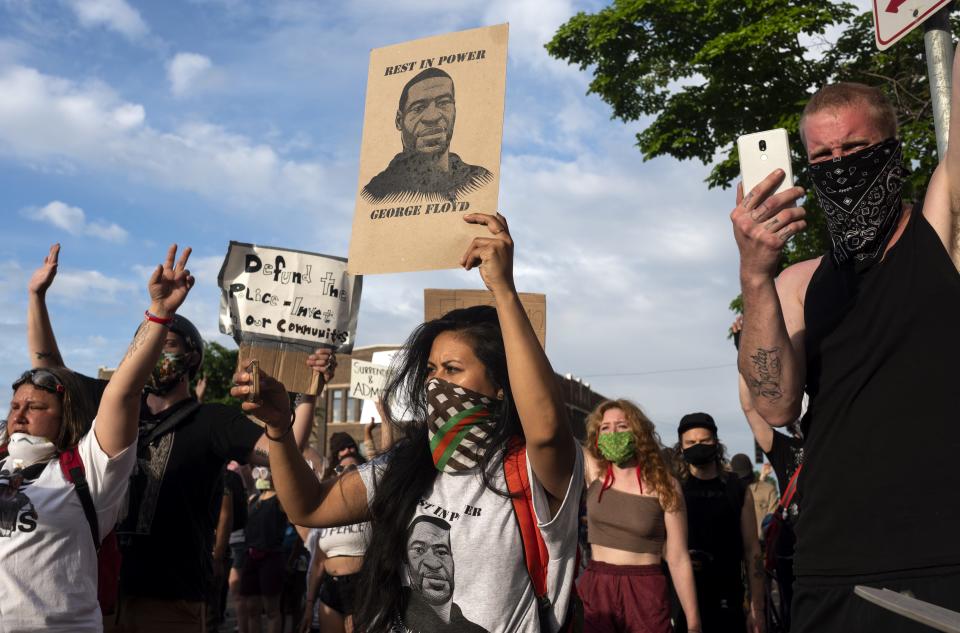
pixel 430 151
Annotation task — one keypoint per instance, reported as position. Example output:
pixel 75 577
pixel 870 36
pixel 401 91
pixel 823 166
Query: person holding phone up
pixel 869 330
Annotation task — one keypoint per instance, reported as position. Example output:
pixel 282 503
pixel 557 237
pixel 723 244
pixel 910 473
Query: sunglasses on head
pixel 41 379
pixel 340 468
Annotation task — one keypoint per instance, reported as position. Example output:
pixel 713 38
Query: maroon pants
pixel 624 599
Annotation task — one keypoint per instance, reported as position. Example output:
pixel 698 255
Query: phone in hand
pixel 254 370
pixel 760 154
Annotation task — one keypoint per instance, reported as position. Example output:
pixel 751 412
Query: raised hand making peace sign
pixel 169 284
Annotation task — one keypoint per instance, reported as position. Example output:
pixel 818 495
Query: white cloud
pixel 47 120
pixel 90 286
pixel 74 221
pixel 185 70
pixel 112 14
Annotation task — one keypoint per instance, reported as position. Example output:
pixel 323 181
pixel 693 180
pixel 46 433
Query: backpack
pixel 108 551
pixel 778 521
pixel 534 549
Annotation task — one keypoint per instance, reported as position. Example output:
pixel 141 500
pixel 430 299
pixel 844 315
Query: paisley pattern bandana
pixel 458 422
pixel 860 194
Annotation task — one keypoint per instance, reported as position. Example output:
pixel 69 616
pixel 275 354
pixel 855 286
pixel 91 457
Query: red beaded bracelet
pixel 153 318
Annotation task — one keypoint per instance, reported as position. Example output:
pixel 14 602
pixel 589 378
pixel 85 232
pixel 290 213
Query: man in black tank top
pixel 871 331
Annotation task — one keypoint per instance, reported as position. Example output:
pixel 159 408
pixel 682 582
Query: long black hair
pixel 410 471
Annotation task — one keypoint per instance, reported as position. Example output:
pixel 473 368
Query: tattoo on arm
pixel 764 377
pixel 261 452
pixel 45 355
pixel 758 567
pixel 138 340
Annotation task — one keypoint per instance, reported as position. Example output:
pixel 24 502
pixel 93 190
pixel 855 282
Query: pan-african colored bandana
pixel 458 421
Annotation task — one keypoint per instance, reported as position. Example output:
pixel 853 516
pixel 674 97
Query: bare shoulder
pixel 591 469
pixel 793 281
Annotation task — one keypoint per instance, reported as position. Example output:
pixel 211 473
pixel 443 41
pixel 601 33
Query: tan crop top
pixel 625 521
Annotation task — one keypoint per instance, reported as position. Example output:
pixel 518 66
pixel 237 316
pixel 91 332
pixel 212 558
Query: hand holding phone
pixel 760 154
pixel 254 370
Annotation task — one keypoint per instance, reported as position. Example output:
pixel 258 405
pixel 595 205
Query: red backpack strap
pixel 790 490
pixel 518 484
pixel 72 467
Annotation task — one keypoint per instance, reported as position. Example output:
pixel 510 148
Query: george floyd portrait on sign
pixel 426 168
pixel 430 154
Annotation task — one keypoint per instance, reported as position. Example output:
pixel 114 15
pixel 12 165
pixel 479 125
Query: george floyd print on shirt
pixel 430 154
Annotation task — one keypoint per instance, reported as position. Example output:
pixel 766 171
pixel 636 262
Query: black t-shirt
pixel 713 523
pixel 167 552
pixel 880 434
pixel 266 525
pixel 785 456
pixel 233 486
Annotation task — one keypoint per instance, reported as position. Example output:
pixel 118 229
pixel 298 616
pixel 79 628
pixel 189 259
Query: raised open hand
pixel 42 277
pixel 169 284
pixel 494 255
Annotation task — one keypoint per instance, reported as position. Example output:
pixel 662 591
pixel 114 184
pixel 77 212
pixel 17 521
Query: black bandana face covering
pixel 860 194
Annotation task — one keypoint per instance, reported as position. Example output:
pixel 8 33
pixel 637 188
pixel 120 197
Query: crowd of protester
pixel 133 506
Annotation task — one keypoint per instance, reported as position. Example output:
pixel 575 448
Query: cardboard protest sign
pixel 436 303
pixel 367 380
pixel 279 305
pixel 399 410
pixel 420 173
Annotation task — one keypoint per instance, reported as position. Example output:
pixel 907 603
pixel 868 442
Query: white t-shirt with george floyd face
pixel 466 570
pixel 48 562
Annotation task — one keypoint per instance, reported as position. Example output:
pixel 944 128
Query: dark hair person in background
pixel 426 168
pixel 48 556
pixel 722 530
pixel 174 498
pixel 474 379
pixel 868 330
pixel 337 555
pixel 641 521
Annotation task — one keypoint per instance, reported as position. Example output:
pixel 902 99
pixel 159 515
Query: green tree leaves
pixel 707 71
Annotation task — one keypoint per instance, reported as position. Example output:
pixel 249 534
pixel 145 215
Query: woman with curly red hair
pixel 636 518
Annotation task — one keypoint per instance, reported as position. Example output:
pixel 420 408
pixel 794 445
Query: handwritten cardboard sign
pixel 279 305
pixel 399 409
pixel 430 153
pixel 436 303
pixel 367 380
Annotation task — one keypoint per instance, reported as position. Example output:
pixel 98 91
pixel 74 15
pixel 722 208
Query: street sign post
pixel 893 19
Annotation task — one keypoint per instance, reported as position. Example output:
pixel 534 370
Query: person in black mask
pixel 722 530
pixel 868 330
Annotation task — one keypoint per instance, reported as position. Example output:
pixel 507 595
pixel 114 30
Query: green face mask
pixel 617 447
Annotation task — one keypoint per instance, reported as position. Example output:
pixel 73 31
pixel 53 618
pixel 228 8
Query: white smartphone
pixel 760 154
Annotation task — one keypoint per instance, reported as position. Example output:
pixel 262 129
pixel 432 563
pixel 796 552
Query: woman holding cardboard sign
pixel 475 508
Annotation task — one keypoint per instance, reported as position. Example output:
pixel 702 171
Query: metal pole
pixel 939 49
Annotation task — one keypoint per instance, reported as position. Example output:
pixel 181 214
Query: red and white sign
pixel 893 19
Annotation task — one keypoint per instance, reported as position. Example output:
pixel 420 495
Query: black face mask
pixel 860 195
pixel 700 454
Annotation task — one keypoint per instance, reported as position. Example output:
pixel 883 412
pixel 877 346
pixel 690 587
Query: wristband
pixel 153 318
pixel 282 435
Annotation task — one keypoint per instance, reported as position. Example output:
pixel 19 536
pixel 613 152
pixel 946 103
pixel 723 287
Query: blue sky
pixel 125 126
